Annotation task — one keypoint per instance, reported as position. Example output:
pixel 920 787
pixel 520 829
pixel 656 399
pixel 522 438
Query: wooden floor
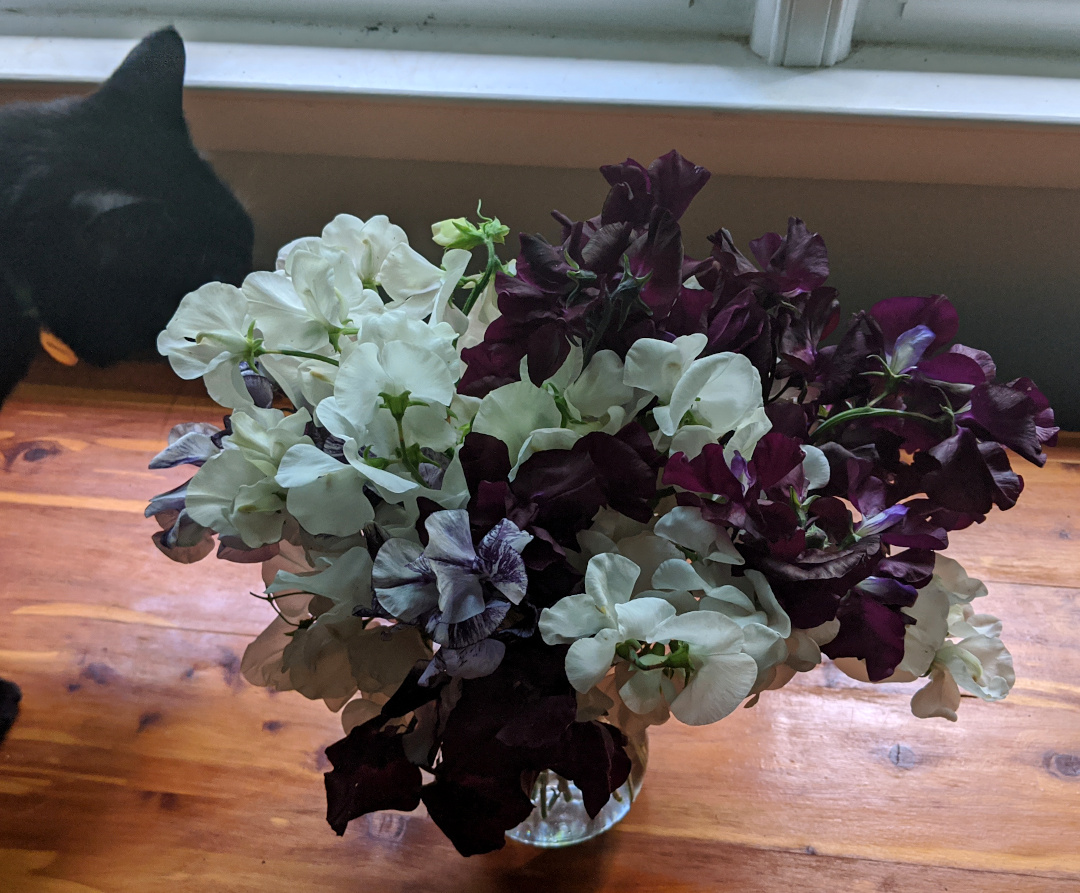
pixel 143 762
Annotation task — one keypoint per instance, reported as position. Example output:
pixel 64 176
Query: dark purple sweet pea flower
pixel 504 729
pixel 370 772
pixel 872 625
pixel 614 279
pixel 1016 415
pixel 898 316
pixel 797 263
pixel 669 183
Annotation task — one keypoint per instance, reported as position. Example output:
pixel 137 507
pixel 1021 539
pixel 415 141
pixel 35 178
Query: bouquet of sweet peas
pixel 497 509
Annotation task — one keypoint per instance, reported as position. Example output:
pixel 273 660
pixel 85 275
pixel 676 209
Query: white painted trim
pixel 803 33
pixel 1014 25
pixel 995 15
pixel 745 84
pixel 860 121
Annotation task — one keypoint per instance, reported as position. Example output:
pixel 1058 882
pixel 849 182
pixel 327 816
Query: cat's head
pixel 111 216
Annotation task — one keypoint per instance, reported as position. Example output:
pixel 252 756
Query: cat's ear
pixel 151 79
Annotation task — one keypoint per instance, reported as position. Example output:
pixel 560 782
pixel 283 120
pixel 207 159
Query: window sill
pixel 874 118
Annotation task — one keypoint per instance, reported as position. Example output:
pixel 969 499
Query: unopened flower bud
pixel 456 232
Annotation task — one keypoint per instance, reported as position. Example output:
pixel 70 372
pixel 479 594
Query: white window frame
pixel 570 100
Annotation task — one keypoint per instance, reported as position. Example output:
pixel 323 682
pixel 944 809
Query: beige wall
pixel 1008 256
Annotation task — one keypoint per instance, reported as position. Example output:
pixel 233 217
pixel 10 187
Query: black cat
pixel 108 216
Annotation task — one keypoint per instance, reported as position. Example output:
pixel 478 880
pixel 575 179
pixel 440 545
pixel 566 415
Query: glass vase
pixel 559 818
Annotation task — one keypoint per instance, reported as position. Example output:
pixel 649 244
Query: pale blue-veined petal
pixel 474 629
pixel 189 444
pixel 404 581
pixel 453 558
pixel 499 554
pixel 470 662
pixel 173 500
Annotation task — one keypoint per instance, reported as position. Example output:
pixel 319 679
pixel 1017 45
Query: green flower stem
pixel 493 265
pixel 300 353
pixel 863 412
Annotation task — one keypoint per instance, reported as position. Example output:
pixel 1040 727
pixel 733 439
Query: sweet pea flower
pixel 461 594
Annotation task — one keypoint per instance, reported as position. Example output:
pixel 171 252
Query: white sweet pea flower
pixel 367 244
pixel 335 653
pixel 483 313
pixel 703 677
pixel 815 467
pixel 609 581
pixel 396 325
pixel 235 492
pixel 718 677
pixel 544 439
pixel 324 495
pixel 414 284
pixel 599 397
pixel 926 635
pixel 306 383
pixel 306 311
pixel 684 526
pixel 978 663
pixel 209 328
pixel 748 601
pixel 720 393
pixel 658 366
pixel 514 411
pixel 941 697
pixel 208 337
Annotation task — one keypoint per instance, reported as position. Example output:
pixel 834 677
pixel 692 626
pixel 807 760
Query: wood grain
pixel 143 762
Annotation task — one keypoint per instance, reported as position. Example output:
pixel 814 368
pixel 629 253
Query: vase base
pixel 564 821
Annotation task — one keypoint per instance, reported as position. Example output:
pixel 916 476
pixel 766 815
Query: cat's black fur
pixel 108 216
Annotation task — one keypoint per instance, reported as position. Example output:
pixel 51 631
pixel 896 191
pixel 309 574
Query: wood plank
pixel 144 762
